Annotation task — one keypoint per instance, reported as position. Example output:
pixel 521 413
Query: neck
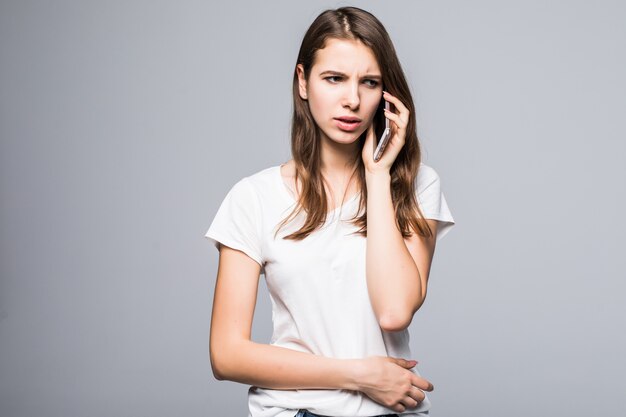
pixel 339 160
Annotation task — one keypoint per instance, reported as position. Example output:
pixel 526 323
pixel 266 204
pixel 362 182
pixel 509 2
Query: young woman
pixel 345 242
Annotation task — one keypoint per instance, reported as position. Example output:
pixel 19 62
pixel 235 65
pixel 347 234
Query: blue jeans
pixel 305 413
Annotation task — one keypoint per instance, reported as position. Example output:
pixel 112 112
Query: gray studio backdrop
pixel 124 123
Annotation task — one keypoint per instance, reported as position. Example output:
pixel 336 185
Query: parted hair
pixel 352 23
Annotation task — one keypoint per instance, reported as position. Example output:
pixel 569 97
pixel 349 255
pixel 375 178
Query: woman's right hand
pixel 389 382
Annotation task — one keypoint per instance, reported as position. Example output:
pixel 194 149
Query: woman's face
pixel 345 81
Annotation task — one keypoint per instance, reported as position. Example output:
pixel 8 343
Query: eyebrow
pixel 374 76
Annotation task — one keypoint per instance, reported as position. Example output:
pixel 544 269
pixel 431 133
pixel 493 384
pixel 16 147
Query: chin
pixel 348 141
pixel 349 137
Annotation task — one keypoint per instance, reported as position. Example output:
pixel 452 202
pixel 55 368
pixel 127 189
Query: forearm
pixel 393 279
pixel 277 367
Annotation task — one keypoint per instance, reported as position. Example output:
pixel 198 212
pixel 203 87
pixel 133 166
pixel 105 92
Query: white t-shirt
pixel 317 287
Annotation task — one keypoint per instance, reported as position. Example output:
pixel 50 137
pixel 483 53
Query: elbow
pixel 217 374
pixel 223 359
pixel 218 366
pixel 399 319
pixel 395 322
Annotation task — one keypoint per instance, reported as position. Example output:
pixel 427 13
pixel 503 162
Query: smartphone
pixel 385 135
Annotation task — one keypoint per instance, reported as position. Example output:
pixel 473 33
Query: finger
pixel 405 363
pixel 396 119
pixel 396 102
pixel 421 383
pixel 403 112
pixel 412 400
pixel 417 395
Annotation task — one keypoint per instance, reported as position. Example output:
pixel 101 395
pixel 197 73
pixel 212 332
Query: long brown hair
pixel 352 23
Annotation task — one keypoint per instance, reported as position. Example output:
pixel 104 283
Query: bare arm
pixel 397 268
pixel 235 357
pixel 393 279
pixel 276 367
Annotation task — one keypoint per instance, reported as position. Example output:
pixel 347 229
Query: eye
pixel 332 76
pixel 373 83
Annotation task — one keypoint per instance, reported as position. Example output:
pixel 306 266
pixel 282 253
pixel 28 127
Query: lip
pixel 349 127
pixel 348 118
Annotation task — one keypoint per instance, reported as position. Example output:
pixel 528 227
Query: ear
pixel 301 81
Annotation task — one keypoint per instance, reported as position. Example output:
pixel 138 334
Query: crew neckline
pixel 289 196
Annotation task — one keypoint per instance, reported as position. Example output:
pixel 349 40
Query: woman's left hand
pixel 398 123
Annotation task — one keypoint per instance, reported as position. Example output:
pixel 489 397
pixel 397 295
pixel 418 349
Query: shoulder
pixel 263 176
pixel 426 176
pixel 258 183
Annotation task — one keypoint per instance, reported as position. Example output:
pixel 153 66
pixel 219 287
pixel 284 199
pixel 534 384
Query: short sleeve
pixel 237 222
pixel 432 200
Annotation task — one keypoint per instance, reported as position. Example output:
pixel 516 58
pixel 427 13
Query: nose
pixel 351 97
